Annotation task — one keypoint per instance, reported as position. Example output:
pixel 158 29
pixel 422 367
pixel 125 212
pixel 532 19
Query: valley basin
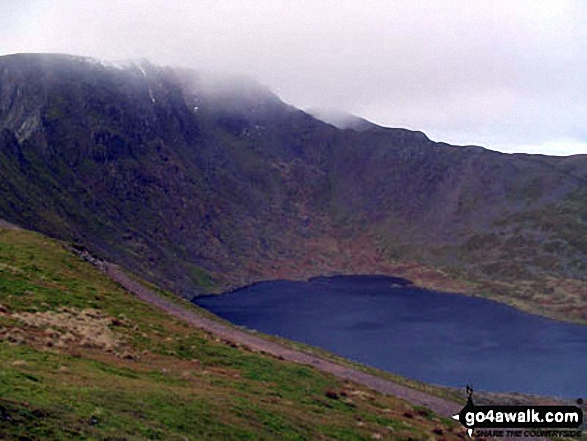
pixel 439 338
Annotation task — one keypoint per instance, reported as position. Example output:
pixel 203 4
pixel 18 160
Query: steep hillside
pixel 202 184
pixel 82 359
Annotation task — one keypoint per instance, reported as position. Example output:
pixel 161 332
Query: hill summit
pixel 202 184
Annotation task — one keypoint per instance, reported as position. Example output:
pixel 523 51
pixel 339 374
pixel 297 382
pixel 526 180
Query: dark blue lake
pixel 439 338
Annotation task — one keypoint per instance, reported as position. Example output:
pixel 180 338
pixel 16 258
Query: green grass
pixel 535 260
pixel 201 278
pixel 164 380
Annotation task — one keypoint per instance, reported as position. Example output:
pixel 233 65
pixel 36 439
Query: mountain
pixel 202 183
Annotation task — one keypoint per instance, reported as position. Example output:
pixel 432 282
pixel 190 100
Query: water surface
pixel 439 338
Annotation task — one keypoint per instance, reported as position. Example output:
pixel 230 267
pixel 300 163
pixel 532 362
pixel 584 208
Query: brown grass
pixel 73 327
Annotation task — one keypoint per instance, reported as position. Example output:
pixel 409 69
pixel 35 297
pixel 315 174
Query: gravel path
pixel 439 405
pixel 8 225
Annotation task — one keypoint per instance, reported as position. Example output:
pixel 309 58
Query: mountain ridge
pixel 144 167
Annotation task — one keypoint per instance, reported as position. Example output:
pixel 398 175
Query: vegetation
pixel 535 260
pixel 80 358
pixel 200 193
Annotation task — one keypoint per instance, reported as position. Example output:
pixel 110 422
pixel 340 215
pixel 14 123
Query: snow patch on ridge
pixel 142 69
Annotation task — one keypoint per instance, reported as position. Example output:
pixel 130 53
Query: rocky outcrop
pixel 201 185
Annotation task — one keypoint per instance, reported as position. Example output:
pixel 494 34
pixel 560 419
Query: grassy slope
pixel 534 260
pixel 93 362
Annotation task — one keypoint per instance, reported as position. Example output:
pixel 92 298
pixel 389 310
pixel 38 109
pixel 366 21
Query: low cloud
pixel 503 74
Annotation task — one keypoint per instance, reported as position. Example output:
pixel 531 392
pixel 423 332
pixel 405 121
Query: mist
pixel 504 75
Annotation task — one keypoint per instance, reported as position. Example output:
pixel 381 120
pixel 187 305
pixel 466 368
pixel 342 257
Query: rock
pixel 438 431
pixel 51 333
pixel 333 395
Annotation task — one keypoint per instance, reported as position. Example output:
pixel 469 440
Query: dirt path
pixel 8 225
pixel 440 406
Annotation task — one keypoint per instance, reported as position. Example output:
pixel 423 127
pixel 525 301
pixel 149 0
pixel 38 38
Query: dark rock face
pixel 196 185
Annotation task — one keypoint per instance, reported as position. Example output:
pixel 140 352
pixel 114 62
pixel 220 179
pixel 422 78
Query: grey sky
pixel 508 75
